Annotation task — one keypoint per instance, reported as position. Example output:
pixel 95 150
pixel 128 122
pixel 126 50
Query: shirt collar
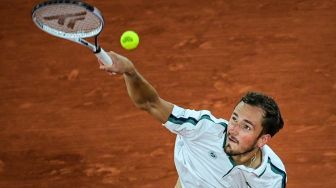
pixel 262 168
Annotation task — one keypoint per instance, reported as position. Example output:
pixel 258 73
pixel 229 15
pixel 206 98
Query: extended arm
pixel 140 91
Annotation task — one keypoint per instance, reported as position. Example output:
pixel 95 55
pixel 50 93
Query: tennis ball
pixel 129 40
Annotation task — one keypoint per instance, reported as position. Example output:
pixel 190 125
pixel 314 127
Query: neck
pixel 251 159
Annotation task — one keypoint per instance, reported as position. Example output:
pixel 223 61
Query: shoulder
pixel 182 115
pixel 193 123
pixel 274 159
pixel 276 165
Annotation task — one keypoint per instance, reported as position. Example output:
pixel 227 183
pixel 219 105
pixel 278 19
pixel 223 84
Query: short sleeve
pixel 190 123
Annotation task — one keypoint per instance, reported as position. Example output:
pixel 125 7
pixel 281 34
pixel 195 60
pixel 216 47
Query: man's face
pixel 244 129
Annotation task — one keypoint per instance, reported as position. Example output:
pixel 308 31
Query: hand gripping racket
pixel 72 20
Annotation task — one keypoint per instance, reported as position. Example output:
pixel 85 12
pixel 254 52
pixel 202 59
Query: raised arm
pixel 140 91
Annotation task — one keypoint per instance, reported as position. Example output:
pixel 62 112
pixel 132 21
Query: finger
pixel 112 53
pixel 111 73
pixel 114 56
pixel 102 67
pixel 101 64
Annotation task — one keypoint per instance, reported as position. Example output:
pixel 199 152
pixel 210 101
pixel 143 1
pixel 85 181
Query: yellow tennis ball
pixel 129 40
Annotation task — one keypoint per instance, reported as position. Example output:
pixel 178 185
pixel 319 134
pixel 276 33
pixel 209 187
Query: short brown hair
pixel 272 121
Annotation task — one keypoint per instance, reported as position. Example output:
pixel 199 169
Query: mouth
pixel 233 139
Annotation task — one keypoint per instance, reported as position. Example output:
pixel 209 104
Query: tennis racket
pixel 72 20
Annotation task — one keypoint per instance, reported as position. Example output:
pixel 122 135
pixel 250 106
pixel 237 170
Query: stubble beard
pixel 228 150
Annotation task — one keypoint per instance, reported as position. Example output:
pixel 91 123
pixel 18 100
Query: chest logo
pixel 213 154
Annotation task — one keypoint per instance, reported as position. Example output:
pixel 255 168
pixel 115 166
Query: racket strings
pixel 69 19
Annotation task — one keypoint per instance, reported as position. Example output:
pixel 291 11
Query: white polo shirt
pixel 200 159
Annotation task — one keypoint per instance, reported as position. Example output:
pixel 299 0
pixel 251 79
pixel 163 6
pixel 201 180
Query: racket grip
pixel 104 57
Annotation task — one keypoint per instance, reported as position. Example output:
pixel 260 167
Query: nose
pixel 233 128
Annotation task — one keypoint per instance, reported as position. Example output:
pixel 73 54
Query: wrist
pixel 130 70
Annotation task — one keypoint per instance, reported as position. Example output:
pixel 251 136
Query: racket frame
pixel 76 37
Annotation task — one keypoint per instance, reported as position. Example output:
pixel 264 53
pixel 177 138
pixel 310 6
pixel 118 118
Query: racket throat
pixel 98 49
pixel 95 48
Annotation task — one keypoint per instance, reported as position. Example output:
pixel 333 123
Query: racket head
pixel 68 18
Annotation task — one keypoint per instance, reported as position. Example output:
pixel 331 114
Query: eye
pixel 234 118
pixel 246 127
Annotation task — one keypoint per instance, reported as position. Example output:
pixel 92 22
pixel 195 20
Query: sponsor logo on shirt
pixel 213 154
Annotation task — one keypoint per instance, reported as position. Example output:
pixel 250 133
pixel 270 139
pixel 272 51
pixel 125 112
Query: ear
pixel 263 139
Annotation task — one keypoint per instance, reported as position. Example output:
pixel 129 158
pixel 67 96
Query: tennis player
pixel 212 152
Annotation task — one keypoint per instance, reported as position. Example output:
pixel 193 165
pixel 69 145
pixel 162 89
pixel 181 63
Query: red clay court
pixel 64 123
